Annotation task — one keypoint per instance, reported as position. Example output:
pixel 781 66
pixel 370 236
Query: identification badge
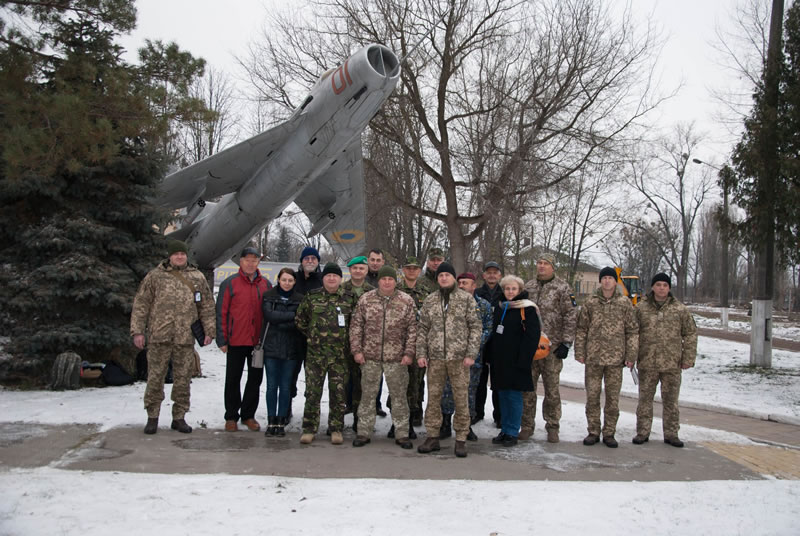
pixel 341 321
pixel 197 296
pixel 500 329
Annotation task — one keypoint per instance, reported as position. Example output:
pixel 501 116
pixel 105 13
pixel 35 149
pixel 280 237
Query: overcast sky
pixel 216 33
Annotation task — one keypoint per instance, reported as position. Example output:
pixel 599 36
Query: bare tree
pixel 501 99
pixel 674 199
pixel 210 132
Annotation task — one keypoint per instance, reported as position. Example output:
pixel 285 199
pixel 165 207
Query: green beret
pixel 357 260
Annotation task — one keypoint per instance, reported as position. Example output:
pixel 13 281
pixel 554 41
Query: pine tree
pixel 81 154
pixel 748 160
pixel 284 246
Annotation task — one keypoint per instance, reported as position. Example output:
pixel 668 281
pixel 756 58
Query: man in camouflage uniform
pixel 448 340
pixel 435 258
pixel 557 309
pixel 483 309
pixel 667 346
pixel 357 285
pixel 170 299
pixel 383 337
pixel 607 337
pixel 418 289
pixel 323 317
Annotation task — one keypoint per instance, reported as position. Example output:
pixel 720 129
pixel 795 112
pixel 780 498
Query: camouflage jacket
pixel 452 332
pixel 554 298
pixel 420 291
pixel 357 291
pixel 667 334
pixel 608 332
pixel 484 310
pixel 317 318
pixel 384 328
pixel 164 307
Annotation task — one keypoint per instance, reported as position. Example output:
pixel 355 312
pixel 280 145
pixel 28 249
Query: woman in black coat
pixel 515 337
pixel 282 347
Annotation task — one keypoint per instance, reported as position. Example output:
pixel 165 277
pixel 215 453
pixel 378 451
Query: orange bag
pixel 543 350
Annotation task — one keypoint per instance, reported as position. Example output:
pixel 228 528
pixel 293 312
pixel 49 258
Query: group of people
pixel 436 324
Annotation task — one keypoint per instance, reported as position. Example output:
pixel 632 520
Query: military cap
pixel 412 261
pixel 436 253
pixel 547 257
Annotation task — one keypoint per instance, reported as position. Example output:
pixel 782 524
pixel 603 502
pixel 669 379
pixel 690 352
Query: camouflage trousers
pixel 670 390
pixel 448 405
pixel 353 385
pixel 594 377
pixel 397 380
pixel 549 369
pixel 317 366
pixel 439 371
pixel 158 356
pixel 416 389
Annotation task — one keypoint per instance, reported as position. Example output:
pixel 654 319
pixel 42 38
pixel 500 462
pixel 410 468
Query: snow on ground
pixel 122 504
pixel 781 328
pixel 722 377
pixel 49 500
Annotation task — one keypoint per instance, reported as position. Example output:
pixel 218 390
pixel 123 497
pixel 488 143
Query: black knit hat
pixel 661 277
pixel 176 246
pixel 607 271
pixel 446 267
pixel 332 268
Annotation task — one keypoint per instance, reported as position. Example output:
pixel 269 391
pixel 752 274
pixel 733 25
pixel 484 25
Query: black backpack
pixel 113 374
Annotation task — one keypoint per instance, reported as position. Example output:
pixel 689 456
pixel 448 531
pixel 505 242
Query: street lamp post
pixel 723 282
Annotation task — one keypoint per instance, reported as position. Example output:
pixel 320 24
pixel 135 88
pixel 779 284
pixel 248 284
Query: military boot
pixel 446 430
pixel 471 435
pixel 460 449
pixel 640 439
pixel 181 426
pixel 610 442
pixel 411 433
pixel 431 444
pixel 390 435
pixel 306 439
pixel 404 442
pixel 336 438
pixel 674 441
pixel 590 440
pixel 525 434
pixel 152 425
pixel 552 435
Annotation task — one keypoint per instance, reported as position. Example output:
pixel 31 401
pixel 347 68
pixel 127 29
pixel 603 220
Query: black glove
pixel 562 351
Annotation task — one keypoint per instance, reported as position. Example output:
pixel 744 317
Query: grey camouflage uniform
pixel 607 336
pixel 484 310
pixel 446 336
pixel 317 319
pixel 384 330
pixel 558 313
pixel 164 309
pixel 667 343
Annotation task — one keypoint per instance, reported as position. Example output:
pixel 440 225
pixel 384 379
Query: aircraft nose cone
pixel 383 61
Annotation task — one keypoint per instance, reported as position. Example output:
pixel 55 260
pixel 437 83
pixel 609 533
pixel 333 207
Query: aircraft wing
pixel 223 172
pixel 334 203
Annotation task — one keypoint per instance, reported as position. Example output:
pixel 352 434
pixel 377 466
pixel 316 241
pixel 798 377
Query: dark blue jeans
pixel 510 411
pixel 279 384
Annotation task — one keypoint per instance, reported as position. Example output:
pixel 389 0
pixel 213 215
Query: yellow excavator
pixel 630 285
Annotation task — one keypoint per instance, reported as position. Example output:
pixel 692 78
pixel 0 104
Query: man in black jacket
pixel 491 292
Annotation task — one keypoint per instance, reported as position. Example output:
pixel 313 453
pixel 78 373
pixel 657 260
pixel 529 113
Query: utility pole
pixel 761 322
pixel 725 174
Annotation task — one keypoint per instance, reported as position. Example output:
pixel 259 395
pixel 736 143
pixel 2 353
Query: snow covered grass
pixel 722 377
pixel 709 317
pixel 122 504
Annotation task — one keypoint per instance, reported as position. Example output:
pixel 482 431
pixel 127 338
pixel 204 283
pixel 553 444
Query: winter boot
pixel 674 441
pixel 499 439
pixel 445 430
pixel 471 435
pixel 431 444
pixel 610 442
pixel 152 425
pixel 181 426
pixel 336 438
pixel 404 443
pixel 590 440
pixel 552 435
pixel 306 439
pixel 525 434
pixel 390 435
pixel 411 433
pixel 360 441
pixel 460 449
pixel 640 439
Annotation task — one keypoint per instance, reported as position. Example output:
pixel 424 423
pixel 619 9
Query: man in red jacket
pixel 239 321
